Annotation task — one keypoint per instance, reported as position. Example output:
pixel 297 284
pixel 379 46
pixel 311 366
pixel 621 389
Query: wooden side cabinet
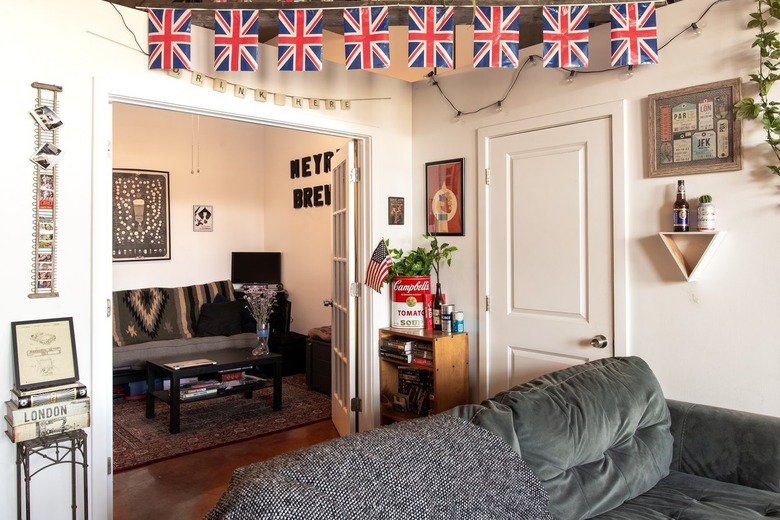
pixel 447 376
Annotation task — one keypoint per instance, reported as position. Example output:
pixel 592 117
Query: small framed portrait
pixel 444 197
pixel 395 211
pixel 44 353
pixel 202 218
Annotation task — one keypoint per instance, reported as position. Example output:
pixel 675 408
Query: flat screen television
pixel 256 267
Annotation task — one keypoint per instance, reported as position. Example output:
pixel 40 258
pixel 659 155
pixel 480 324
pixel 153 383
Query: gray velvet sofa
pixel 600 439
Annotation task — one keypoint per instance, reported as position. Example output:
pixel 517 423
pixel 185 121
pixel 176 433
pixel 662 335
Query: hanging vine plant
pixel 768 65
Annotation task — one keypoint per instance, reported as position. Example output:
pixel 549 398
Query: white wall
pixel 713 340
pixel 88 51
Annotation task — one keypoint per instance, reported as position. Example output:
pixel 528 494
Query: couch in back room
pixel 159 322
pixel 600 441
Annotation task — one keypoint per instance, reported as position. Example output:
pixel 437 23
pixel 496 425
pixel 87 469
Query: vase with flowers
pixel 260 303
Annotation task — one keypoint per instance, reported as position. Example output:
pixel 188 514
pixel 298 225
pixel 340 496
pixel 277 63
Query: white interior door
pixel 549 251
pixel 344 330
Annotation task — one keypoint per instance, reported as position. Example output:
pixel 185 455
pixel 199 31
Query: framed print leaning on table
pixel 44 353
pixel 695 129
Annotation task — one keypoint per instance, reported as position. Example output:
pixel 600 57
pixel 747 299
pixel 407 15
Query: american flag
pixel 634 37
pixel 235 40
pixel 565 31
pixel 169 39
pixel 430 36
pixel 496 36
pixel 300 39
pixel 366 38
pixel 378 267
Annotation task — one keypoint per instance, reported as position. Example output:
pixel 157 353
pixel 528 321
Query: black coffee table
pixel 224 361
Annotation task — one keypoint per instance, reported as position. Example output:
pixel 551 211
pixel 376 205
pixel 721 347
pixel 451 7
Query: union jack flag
pixel 366 38
pixel 496 37
pixel 430 36
pixel 235 40
pixel 634 37
pixel 169 39
pixel 300 39
pixel 565 30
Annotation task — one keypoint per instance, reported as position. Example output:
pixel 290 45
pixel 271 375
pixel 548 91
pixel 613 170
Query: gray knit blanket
pixel 437 467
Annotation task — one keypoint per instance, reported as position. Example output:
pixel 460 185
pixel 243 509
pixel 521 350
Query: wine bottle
pixel 438 301
pixel 680 208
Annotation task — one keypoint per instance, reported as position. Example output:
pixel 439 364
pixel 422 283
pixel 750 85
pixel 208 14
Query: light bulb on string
pixel 457 117
pixel 630 71
pixel 498 106
pixel 570 79
pixel 696 29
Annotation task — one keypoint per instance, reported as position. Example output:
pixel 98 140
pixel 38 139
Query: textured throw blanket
pixel 436 467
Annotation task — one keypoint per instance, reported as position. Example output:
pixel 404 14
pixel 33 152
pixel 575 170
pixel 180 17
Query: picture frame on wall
pixel 202 218
pixel 695 129
pixel 44 353
pixel 444 197
pixel 395 211
pixel 141 215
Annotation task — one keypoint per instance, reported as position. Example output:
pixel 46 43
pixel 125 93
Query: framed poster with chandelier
pixel 695 129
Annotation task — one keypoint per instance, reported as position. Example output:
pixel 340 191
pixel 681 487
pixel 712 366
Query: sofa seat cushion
pixel 687 497
pixel 595 434
pixel 134 357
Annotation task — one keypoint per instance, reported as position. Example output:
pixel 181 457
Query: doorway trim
pixel 106 93
pixel 616 112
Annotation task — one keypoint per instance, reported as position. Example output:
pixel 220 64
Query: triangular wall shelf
pixel 711 239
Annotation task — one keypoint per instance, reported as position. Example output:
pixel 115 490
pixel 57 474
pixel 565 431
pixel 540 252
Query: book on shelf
pixel 47 396
pixel 55 388
pixel 404 358
pixel 44 428
pixel 198 392
pixel 17 416
pixel 231 376
pixel 397 343
pixel 423 362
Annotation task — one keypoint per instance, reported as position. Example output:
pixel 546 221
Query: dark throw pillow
pixel 219 319
pixel 248 323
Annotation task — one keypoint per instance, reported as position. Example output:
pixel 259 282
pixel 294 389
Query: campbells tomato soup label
pixel 406 301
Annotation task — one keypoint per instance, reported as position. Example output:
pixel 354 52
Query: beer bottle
pixel 438 301
pixel 680 208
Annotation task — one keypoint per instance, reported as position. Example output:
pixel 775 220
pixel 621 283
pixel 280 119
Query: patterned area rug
pixel 207 424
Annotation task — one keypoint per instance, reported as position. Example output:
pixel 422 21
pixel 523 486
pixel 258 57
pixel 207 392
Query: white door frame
pixel 104 94
pixel 614 110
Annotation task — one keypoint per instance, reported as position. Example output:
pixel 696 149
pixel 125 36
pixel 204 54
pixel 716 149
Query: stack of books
pixel 417 385
pixel 422 353
pixel 396 348
pixel 31 414
pixel 199 389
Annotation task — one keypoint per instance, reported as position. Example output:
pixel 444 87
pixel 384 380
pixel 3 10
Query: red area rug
pixel 139 441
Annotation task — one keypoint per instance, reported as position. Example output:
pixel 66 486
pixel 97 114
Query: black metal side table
pixel 60 448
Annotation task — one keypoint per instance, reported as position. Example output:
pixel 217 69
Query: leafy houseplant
pixel 768 65
pixel 420 261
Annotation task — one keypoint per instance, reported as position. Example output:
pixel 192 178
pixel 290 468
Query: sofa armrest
pixel 726 445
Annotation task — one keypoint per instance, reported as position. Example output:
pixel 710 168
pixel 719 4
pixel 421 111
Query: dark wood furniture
pixel 225 361
pixel 318 365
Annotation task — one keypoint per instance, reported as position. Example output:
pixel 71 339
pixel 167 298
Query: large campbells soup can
pixel 406 301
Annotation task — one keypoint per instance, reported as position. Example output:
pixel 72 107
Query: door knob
pixel 599 341
pixel 327 303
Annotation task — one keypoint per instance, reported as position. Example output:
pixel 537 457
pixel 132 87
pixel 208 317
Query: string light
pixel 696 29
pixel 630 71
pixel 570 79
pixel 498 106
pixel 457 117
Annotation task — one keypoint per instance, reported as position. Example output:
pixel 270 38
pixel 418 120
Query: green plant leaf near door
pixel 767 13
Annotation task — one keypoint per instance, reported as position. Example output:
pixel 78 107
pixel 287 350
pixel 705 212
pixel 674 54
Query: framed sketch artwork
pixel 444 197
pixel 695 129
pixel 203 218
pixel 141 214
pixel 44 353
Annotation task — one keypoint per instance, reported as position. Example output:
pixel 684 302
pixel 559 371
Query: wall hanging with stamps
pixel 695 129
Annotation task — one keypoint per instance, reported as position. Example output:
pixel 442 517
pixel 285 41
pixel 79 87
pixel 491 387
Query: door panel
pixel 343 329
pixel 549 267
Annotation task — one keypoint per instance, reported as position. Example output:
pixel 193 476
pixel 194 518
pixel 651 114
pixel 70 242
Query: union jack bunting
pixel 300 39
pixel 634 37
pixel 430 36
pixel 565 32
pixel 235 40
pixel 366 38
pixel 496 37
pixel 169 39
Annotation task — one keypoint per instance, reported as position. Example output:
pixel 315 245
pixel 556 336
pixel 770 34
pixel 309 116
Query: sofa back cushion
pixel 162 313
pixel 595 434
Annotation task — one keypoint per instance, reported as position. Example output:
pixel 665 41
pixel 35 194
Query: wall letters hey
pixel 314 196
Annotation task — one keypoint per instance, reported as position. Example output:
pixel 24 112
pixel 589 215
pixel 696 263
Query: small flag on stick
pixel 378 267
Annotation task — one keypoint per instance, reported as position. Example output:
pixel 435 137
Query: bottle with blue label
pixel 680 208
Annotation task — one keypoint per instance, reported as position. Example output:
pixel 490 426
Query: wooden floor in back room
pixel 187 487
